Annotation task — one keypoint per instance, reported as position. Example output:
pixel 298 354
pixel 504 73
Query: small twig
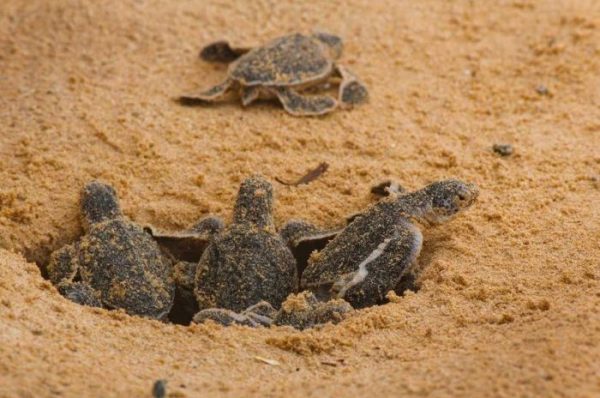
pixel 310 176
pixel 267 361
pixel 329 363
pixel 333 362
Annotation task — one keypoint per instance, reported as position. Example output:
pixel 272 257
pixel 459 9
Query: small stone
pixel 503 149
pixel 159 389
pixel 542 90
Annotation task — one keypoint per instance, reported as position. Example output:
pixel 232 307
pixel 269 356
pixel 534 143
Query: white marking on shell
pixel 418 242
pixel 362 272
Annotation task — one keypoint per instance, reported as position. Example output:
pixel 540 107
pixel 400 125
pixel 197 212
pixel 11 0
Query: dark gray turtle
pixel 248 262
pixel 115 264
pixel 283 68
pixel 369 257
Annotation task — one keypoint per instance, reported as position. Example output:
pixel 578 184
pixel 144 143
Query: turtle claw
pixel 304 238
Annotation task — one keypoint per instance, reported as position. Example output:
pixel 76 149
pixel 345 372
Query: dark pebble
pixel 503 149
pixel 159 389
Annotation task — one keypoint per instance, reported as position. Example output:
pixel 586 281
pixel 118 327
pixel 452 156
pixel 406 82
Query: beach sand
pixel 510 290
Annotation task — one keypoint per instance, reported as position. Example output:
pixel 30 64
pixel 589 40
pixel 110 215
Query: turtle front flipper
pixel 303 239
pixel 352 91
pixel 388 187
pixel 212 94
pixel 303 105
pixel 221 51
pixel 223 317
pixel 262 313
pixel 189 244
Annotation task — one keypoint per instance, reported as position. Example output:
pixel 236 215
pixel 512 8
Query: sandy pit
pixel 510 290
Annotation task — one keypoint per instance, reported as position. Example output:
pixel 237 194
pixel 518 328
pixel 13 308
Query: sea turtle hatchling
pixel 247 262
pixel 116 264
pixel 367 259
pixel 283 68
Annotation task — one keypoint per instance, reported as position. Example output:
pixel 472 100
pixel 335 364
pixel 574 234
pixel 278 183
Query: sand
pixel 509 297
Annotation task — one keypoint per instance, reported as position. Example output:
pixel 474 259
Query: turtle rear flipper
pixel 224 317
pixel 352 91
pixel 304 105
pixel 388 187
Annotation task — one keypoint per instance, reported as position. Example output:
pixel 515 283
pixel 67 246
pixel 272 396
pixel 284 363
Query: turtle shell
pixel 126 266
pixel 242 267
pixel 286 61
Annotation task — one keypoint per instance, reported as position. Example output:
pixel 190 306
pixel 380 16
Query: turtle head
pixel 254 204
pixel 332 42
pixel 99 203
pixel 444 199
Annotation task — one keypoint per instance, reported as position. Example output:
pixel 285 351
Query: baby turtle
pixel 248 262
pixel 115 264
pixel 283 68
pixel 369 257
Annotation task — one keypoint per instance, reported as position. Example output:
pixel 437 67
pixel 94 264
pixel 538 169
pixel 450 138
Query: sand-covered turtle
pixel 116 264
pixel 283 68
pixel 365 260
pixel 247 262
